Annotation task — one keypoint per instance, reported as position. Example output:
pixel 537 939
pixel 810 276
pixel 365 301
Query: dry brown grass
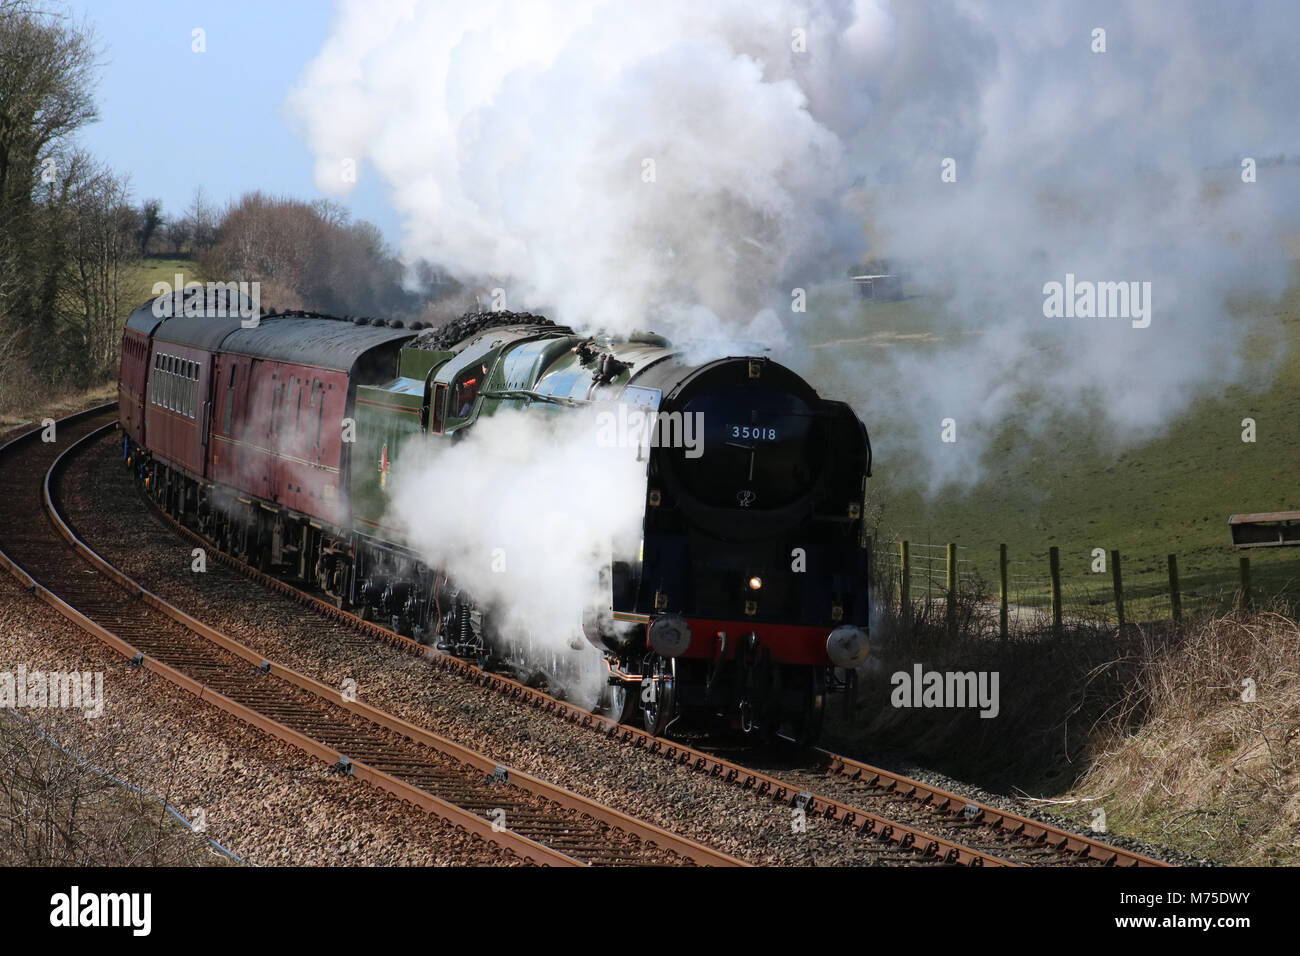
pixel 31 406
pixel 1184 760
pixel 60 810
pixel 1149 725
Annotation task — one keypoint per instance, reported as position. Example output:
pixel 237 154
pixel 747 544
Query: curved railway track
pixel 865 799
pixel 535 820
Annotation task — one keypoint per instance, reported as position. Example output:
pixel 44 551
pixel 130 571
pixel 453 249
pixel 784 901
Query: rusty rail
pixel 548 824
pixel 854 818
pixel 956 805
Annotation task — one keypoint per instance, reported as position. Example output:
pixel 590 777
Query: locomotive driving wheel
pixel 658 694
pixel 619 701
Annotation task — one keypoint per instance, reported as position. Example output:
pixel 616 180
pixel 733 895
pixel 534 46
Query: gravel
pixel 263 800
pixel 676 798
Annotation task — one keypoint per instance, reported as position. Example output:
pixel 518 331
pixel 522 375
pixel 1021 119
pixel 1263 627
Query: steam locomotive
pixel 746 601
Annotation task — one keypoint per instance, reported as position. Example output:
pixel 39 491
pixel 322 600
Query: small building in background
pixel 883 286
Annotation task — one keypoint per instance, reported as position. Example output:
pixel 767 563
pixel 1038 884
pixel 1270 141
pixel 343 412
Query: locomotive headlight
pixel 756 583
pixel 847 646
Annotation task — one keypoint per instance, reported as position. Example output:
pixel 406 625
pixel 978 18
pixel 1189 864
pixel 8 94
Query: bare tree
pixel 177 233
pixel 101 226
pixel 201 221
pixel 151 220
pixel 46 73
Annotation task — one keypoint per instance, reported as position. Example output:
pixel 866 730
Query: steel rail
pixel 650 836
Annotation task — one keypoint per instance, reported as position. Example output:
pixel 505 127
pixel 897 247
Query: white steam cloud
pixel 789 138
pixel 676 164
pixel 523 512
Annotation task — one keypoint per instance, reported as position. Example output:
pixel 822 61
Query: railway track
pixel 870 801
pixel 534 819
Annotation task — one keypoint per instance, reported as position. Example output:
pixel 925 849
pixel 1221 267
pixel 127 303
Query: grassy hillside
pixel 1172 494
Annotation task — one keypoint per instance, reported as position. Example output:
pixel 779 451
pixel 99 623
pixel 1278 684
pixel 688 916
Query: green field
pixel 141 277
pixel 1171 494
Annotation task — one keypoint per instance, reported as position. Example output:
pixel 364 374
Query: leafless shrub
pixel 61 810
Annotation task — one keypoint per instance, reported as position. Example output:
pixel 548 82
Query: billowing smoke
pixel 524 511
pixel 675 164
pixel 687 166
pixel 1103 141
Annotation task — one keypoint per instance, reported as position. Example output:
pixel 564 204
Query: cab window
pixel 466 390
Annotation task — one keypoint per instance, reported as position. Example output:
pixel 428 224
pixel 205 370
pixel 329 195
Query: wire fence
pixel 1100 586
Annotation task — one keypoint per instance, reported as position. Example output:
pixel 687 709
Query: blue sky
pixel 173 119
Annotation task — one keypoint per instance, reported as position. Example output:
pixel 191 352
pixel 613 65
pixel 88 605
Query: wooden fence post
pixel 1175 598
pixel 1002 591
pixel 905 579
pixel 1054 565
pixel 1119 586
pixel 1245 582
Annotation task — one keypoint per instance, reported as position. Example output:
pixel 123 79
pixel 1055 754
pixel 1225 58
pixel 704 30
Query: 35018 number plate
pixel 759 432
